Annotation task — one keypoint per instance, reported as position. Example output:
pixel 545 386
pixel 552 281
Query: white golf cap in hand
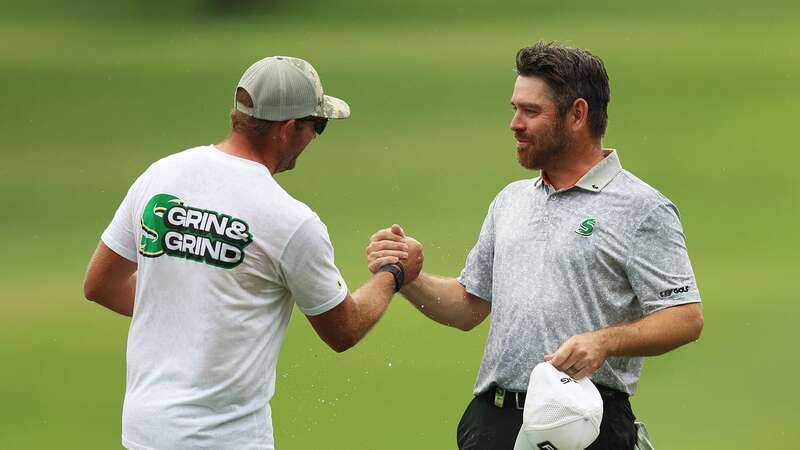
pixel 560 413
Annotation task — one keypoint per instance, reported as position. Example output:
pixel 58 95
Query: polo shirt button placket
pixel 547 217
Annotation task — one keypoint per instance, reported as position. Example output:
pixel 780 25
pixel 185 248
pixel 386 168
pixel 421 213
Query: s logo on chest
pixel 586 227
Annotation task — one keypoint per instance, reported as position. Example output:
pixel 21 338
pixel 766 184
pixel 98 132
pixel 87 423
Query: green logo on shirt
pixel 586 228
pixel 170 227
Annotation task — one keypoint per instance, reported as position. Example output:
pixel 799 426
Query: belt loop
pixel 499 396
pixel 516 398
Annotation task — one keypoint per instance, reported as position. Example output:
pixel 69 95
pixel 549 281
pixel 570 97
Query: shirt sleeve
pixel 122 234
pixel 308 269
pixel 658 266
pixel 477 273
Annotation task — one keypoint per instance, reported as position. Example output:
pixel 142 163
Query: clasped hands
pixel 392 246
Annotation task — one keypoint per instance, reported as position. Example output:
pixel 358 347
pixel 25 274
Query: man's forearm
pixel 655 334
pixel 446 301
pixel 583 354
pixel 347 323
pixel 371 300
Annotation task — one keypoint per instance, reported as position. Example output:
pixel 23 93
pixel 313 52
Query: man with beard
pixel 585 266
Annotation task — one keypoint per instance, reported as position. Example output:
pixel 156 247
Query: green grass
pixel 704 107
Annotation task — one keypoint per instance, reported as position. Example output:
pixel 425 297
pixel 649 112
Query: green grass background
pixel 704 107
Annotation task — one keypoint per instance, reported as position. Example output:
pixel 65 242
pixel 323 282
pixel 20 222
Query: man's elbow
pixel 699 321
pixel 696 322
pixel 91 291
pixel 466 325
pixel 342 347
pixel 342 343
pixel 469 321
pixel 96 292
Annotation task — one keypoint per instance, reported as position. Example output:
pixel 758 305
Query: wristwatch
pixel 397 272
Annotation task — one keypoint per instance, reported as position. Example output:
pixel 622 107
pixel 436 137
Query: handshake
pixel 392 246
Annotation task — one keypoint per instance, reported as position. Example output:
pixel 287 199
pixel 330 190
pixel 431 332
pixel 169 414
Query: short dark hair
pixel 570 73
pixel 254 129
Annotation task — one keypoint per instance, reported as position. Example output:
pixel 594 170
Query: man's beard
pixel 544 148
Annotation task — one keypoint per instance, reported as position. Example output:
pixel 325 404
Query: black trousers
pixel 484 426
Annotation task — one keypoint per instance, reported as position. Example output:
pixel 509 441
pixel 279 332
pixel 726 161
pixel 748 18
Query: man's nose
pixel 516 123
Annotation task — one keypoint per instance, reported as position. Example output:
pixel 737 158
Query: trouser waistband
pixel 503 398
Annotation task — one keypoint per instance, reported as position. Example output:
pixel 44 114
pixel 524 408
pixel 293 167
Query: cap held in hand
pixel 560 413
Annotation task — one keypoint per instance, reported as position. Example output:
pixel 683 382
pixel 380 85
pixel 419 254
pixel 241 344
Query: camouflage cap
pixel 283 88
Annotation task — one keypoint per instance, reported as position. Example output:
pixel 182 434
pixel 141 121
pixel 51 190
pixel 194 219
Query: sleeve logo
pixel 670 291
pixel 170 227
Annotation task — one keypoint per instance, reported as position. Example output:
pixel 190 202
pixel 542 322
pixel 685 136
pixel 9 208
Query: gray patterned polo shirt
pixel 555 264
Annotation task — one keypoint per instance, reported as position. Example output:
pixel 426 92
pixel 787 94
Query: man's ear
pixel 578 114
pixel 285 131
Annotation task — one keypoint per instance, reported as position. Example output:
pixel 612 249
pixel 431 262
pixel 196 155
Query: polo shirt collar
pixel 597 177
pixel 602 173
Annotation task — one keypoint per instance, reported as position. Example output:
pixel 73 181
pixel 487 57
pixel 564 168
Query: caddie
pixel 584 266
pixel 208 254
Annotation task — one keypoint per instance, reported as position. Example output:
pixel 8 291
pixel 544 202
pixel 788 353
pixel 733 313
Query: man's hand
pixel 386 247
pixel 413 263
pixel 390 246
pixel 580 356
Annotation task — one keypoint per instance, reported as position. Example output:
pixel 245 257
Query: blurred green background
pixel 704 107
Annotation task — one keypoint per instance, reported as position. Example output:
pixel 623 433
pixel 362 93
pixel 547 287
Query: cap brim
pixel 334 108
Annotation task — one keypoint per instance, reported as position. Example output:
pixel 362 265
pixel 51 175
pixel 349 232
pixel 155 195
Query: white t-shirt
pixel 223 253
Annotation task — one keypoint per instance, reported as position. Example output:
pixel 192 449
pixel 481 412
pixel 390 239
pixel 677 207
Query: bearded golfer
pixel 584 266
